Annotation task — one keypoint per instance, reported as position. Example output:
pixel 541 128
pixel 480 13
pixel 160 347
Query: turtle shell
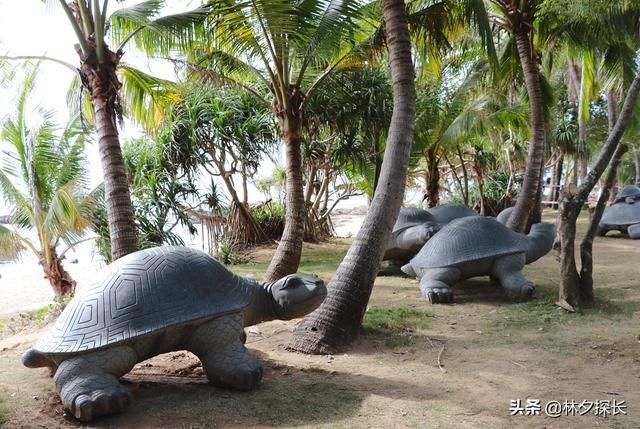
pixel 621 214
pixel 447 212
pixel 469 239
pixel 411 216
pixel 145 292
pixel 632 191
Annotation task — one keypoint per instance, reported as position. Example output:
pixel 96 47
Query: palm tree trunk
pixel 336 323
pixel 572 202
pixel 122 227
pixel 103 85
pixel 287 256
pixel 526 201
pixel 433 185
pixel 60 280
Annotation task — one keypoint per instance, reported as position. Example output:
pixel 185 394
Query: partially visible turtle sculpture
pixel 156 301
pixel 477 246
pixel 412 229
pixel 629 191
pixel 504 215
pixel 445 213
pixel 623 216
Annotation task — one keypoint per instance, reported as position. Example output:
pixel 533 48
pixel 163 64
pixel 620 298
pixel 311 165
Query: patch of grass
pixel 391 271
pixel 397 325
pixel 542 313
pixel 3 410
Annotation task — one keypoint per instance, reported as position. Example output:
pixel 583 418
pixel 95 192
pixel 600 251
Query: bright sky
pixel 29 27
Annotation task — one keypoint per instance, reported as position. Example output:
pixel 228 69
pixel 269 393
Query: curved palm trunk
pixel 287 256
pixel 526 201
pixel 336 323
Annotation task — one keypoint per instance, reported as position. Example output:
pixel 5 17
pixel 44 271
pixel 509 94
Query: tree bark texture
pixel 335 325
pixel 59 279
pixel 572 202
pixel 287 256
pixel 526 201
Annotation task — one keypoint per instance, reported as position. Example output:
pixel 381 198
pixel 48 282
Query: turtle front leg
pixel 88 384
pixel 226 361
pixel 508 270
pixel 436 283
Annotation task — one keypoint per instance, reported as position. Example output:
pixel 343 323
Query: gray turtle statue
pixel 414 227
pixel 155 301
pixel 623 216
pixel 629 191
pixel 478 246
pixel 504 215
pixel 445 213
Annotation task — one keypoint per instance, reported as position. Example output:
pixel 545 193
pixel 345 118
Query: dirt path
pixel 491 352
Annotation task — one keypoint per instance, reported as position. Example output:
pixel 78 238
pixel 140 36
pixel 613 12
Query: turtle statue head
pixel 296 295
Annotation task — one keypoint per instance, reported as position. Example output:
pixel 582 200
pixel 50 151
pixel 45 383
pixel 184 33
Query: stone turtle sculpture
pixel 445 213
pixel 156 301
pixel 623 216
pixel 629 191
pixel 414 227
pixel 504 215
pixel 477 246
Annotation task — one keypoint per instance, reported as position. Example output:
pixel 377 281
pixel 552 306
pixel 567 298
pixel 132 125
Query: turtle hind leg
pixel 634 231
pixel 88 384
pixel 225 359
pixel 508 270
pixel 436 283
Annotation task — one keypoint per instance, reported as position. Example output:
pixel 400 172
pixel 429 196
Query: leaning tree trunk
pixel 122 227
pixel 336 323
pixel 526 201
pixel 586 247
pixel 287 256
pixel 572 202
pixel 636 163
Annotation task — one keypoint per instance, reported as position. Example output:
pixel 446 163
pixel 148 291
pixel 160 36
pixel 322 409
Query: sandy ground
pixel 460 367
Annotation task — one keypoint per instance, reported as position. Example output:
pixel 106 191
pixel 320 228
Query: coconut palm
pixel 99 71
pixel 43 178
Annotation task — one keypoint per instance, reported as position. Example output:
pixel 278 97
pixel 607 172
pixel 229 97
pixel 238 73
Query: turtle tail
pixel 34 359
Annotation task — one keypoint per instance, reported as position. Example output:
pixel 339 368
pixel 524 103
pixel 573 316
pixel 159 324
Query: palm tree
pixel 97 71
pixel 285 48
pixel 517 17
pixel 43 178
pixel 337 322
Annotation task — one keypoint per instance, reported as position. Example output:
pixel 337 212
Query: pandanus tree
pixel 98 72
pixel 43 180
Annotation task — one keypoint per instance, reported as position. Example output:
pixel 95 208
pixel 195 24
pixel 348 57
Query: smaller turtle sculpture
pixel 623 216
pixel 504 215
pixel 629 191
pixel 445 213
pixel 414 227
pixel 478 246
pixel 155 301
